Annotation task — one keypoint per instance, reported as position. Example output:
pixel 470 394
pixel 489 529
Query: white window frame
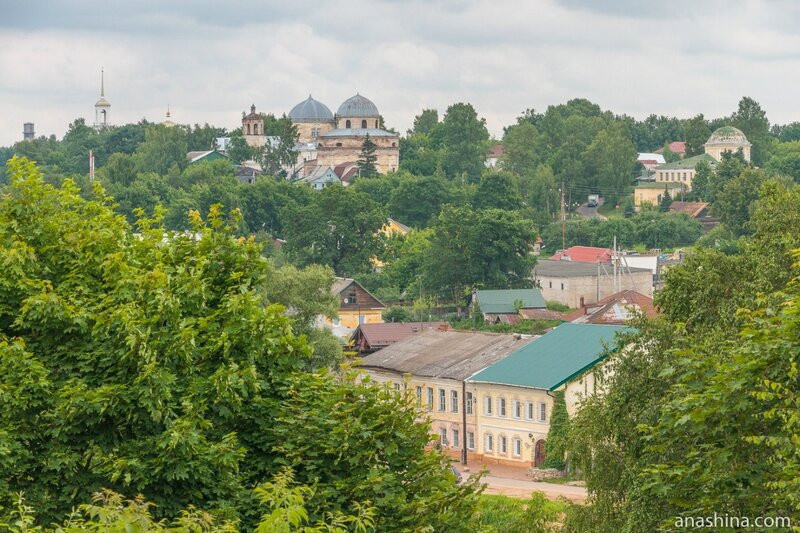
pixel 501 407
pixel 542 412
pixel 470 440
pixel 418 393
pixel 430 398
pixel 487 405
pixel 469 403
pixel 397 387
pixel 442 401
pixel 453 401
pixel 528 410
pixel 456 440
pixel 502 444
pixel 488 443
pixel 517 409
pixel 443 436
pixel 516 446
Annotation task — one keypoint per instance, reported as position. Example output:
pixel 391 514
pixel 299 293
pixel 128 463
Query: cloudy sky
pixel 209 59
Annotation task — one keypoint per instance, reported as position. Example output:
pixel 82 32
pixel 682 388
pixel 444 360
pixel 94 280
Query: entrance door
pixel 539 453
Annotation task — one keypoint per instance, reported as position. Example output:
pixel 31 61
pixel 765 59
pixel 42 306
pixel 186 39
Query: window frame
pixel 442 405
pixel 453 401
pixel 429 398
pixel 487 406
pixel 542 411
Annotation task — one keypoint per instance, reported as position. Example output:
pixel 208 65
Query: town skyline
pixel 209 66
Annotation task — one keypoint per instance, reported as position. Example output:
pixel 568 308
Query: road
pixel 518 488
pixel 590 212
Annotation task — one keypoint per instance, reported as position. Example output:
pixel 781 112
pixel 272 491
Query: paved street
pixel 514 482
pixel 590 212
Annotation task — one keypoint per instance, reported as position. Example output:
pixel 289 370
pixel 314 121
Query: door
pixel 539 453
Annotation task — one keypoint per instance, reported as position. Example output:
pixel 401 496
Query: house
pixel 696 210
pixel 494 156
pixel 649 160
pixel 651 193
pixel 320 178
pixel 615 309
pixel 248 171
pixel 393 227
pixel 509 306
pixel 576 283
pixel 676 147
pixel 204 155
pixel 514 394
pixel 434 366
pixel 368 338
pixel 584 254
pixel 346 171
pixel 356 306
pixel 682 172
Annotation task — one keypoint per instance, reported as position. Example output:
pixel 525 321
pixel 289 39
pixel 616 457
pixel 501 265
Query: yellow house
pixel 652 193
pixel 515 394
pixel 393 227
pixel 433 365
pixel 356 306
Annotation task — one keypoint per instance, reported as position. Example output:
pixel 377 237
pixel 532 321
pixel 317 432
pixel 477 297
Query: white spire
pixel 102 83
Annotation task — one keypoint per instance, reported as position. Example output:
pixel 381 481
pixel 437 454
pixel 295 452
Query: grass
pixel 511 515
pixel 552 305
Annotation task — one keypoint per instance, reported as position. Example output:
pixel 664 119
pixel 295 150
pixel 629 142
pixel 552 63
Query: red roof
pixel 617 308
pixel 648 161
pixel 693 209
pixel 676 147
pixel 585 254
pixel 376 336
pixel 345 171
pixel 496 151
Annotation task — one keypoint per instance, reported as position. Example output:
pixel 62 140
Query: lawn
pixel 513 515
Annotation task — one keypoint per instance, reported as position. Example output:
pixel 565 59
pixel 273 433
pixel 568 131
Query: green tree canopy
pixel 465 140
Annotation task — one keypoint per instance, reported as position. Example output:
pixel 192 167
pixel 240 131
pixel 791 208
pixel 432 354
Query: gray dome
pixel 358 106
pixel 310 110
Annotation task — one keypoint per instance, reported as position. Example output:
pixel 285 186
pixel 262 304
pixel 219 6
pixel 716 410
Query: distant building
pixel 509 306
pixel 28 133
pixel 368 338
pixel 253 128
pixel 727 139
pixel 494 156
pixel 650 161
pixel 204 155
pixel 102 107
pixel 356 306
pixel 651 193
pixel 676 147
pixel 584 254
pixel 682 172
pixel 575 283
pixel 618 308
pixel 168 120
pixel 320 178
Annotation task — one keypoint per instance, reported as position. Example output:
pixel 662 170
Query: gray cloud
pixel 210 60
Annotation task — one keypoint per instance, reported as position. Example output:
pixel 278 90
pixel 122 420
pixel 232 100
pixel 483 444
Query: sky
pixel 210 60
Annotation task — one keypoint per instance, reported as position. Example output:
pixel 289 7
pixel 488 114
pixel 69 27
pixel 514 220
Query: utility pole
pixel 563 220
pixel 91 166
pixel 614 258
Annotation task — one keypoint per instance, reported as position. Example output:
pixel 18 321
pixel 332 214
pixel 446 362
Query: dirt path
pixel 517 488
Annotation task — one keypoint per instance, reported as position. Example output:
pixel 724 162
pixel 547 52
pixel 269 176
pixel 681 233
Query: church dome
pixel 310 110
pixel 728 135
pixel 102 103
pixel 358 106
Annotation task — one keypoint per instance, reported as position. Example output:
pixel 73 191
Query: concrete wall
pixel 716 151
pixel 306 130
pixel 569 290
pixel 335 150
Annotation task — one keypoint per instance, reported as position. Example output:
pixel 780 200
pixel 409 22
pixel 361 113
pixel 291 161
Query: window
pixel 469 403
pixel 364 124
pixel 529 411
pixel 455 438
pixel 542 412
pixel 350 299
pixel 453 401
pixel 347 124
pixel 396 386
pixel 501 407
pixel 248 129
pixel 443 436
pixel 314 132
pixel 551 284
pixel 562 286
pixel 470 440
pixel 418 392
pixel 517 409
pixel 501 440
pixel 442 400
pixel 376 123
pixel 487 405
pixel 430 399
pixel 517 447
pixel 338 144
pixel 488 444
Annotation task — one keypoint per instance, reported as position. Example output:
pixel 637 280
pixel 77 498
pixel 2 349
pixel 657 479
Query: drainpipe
pixel 464 422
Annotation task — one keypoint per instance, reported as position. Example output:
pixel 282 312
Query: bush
pixel 397 314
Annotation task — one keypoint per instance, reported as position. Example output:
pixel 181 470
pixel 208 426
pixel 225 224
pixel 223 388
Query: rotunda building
pixel 727 139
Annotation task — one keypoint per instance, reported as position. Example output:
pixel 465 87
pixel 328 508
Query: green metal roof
pixel 553 359
pixel 688 163
pixel 502 301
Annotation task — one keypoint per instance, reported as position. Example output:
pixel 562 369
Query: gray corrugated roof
pixel 574 269
pixel 359 132
pixel 310 110
pixel 358 106
pixel 502 300
pixel 445 354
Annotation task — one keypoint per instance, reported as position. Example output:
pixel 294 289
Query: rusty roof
pixel 445 354
pixel 617 308
pixel 384 334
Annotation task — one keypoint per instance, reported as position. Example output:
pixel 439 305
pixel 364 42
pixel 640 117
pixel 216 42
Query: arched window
pixel 364 124
pixel 248 129
pixel 376 124
pixel 347 124
pixel 394 144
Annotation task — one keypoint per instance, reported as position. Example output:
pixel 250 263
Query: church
pixel 332 140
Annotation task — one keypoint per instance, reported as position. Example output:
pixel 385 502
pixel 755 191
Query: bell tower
pixel 253 128
pixel 102 107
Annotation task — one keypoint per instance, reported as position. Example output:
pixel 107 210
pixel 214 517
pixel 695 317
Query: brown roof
pixel 445 354
pixel 496 151
pixel 676 147
pixel 617 308
pixel 693 209
pixel 340 284
pixel 379 335
pixel 540 314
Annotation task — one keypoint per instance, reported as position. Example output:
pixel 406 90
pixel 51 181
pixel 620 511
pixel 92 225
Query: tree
pixel 149 363
pixel 162 149
pixel 417 200
pixel 418 155
pixel 610 159
pixel 498 190
pixel 339 228
pixel 790 132
pixel 542 193
pixel 278 153
pixel 785 160
pixel 666 201
pixel 521 149
pixel 701 181
pixel 396 314
pixel 629 210
pixel 735 202
pixel 752 120
pixel 425 122
pixel 557 435
pixel 465 140
pixel 367 159
pixel 669 155
pixel 697 133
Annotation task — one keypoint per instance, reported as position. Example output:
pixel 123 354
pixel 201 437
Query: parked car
pixel 594 199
